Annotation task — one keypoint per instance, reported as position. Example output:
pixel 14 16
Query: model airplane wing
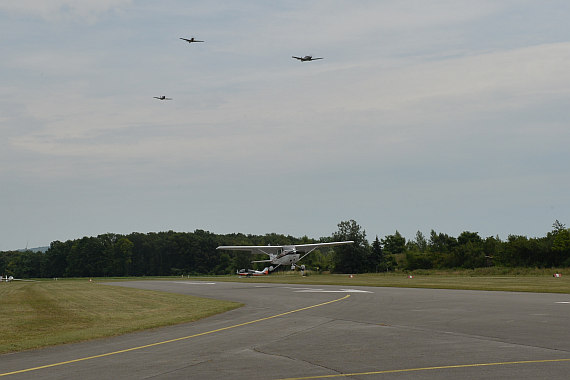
pixel 307 58
pixel 190 40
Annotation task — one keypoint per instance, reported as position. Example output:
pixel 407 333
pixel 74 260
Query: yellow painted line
pixel 171 340
pixel 427 369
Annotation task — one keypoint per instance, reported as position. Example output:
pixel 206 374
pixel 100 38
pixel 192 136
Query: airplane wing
pixel 308 248
pixel 312 247
pixel 274 249
pixel 190 40
pixel 267 249
pixel 297 57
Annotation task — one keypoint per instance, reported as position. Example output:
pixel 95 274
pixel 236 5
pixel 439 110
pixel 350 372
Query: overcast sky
pixel 447 114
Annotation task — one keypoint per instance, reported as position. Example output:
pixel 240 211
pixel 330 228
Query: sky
pixel 445 115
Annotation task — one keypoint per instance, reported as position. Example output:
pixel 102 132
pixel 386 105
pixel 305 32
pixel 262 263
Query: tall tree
pixel 421 241
pixel 351 258
pixel 561 248
pixel 377 260
pixel 394 244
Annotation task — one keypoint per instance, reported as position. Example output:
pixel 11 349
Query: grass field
pixel 45 313
pixel 539 281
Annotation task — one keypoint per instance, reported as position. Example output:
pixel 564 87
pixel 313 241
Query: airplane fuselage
pixel 288 256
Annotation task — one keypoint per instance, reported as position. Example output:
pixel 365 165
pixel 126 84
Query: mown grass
pixel 45 313
pixel 539 280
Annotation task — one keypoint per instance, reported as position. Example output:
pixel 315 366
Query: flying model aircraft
pixel 253 272
pixel 162 97
pixel 190 40
pixel 282 254
pixel 306 58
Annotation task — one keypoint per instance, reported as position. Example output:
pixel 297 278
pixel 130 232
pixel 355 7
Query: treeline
pixel 193 253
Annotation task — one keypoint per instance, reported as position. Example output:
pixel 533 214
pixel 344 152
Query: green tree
pixel 557 226
pixel 421 241
pixel 417 260
pixel 441 242
pixel 394 244
pixel 561 248
pixel 351 258
pixel 56 258
pixel 377 261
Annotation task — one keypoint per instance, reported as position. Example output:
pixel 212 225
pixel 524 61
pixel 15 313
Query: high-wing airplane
pixel 162 97
pixel 190 40
pixel 253 272
pixel 306 58
pixel 11 278
pixel 282 254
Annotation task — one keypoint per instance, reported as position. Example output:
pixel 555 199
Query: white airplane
pixel 190 40
pixel 282 254
pixel 11 278
pixel 253 272
pixel 306 58
pixel 162 97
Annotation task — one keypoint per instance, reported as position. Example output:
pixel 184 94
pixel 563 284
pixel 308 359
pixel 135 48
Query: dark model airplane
pixel 190 40
pixel 162 97
pixel 306 58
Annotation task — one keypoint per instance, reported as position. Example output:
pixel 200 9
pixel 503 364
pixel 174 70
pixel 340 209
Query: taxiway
pixel 309 332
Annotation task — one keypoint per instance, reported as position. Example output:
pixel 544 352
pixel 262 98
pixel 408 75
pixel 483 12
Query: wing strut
pixel 306 253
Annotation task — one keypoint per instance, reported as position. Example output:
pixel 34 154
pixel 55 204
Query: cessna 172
pixel 190 40
pixel 306 58
pixel 282 254
pixel 253 272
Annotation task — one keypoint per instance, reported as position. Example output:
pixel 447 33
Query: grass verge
pixel 45 313
pixel 466 280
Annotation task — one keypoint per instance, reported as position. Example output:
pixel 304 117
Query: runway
pixel 320 332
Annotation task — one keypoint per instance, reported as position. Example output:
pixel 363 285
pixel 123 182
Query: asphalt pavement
pixel 303 332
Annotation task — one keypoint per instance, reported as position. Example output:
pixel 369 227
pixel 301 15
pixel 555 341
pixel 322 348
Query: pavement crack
pixel 160 374
pixel 276 355
pixel 259 350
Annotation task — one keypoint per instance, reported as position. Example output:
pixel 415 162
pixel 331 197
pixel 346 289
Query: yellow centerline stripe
pixel 426 369
pixel 171 340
